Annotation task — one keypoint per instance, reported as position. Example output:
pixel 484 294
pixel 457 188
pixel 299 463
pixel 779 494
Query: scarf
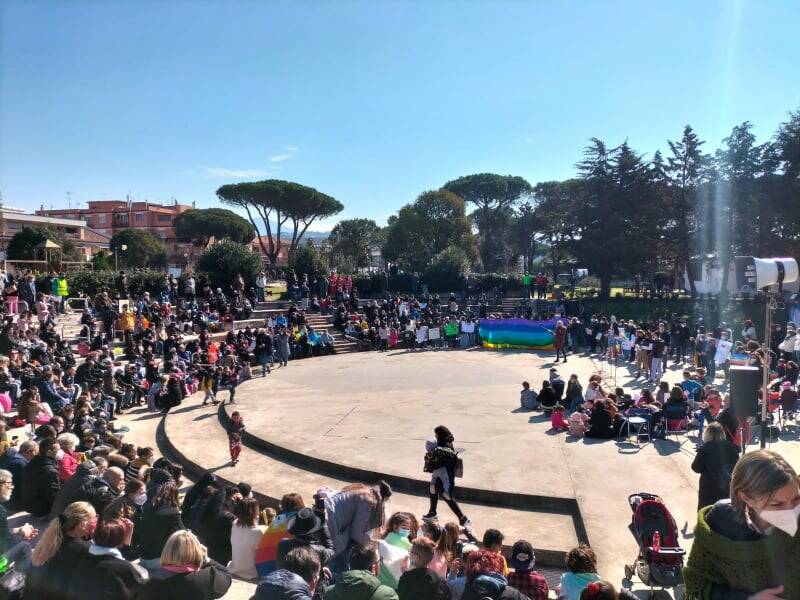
pixel 749 566
pixel 180 568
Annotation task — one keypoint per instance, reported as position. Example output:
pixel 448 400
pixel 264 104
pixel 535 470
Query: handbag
pixel 459 470
pixel 12 584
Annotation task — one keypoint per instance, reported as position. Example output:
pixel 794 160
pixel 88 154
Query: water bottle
pixel 657 541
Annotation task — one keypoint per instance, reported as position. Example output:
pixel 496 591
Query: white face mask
pixel 140 499
pixel 59 455
pixel 785 520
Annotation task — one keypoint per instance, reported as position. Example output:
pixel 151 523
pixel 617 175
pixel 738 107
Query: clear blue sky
pixel 371 102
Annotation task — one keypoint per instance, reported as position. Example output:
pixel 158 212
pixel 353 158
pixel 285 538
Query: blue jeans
pixel 20 555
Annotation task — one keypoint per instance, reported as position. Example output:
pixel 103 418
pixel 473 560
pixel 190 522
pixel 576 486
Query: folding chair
pixel 676 422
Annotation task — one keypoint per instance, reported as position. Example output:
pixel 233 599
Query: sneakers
pixel 464 522
pixel 430 517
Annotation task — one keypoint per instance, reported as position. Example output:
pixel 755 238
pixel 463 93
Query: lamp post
pixel 122 248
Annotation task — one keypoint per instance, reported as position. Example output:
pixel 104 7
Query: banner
pixel 517 333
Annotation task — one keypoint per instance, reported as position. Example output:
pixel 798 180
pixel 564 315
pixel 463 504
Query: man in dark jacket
pixel 100 491
pixel 14 461
pixel 71 489
pixel 40 480
pixel 419 582
pixel 361 583
pixel 296 581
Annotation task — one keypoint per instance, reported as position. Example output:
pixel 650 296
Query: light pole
pixel 186 256
pixel 122 248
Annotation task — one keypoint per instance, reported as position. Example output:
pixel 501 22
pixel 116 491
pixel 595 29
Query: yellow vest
pixel 63 290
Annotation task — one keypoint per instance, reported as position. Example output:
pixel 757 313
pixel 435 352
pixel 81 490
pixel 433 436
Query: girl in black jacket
pixel 160 519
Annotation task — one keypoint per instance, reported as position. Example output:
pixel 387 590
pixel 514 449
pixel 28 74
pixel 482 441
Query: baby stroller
pixel 652 525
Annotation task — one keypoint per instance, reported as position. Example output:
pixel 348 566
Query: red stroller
pixel 660 560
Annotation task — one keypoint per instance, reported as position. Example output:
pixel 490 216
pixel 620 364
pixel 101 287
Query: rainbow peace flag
pixel 517 333
pixel 267 551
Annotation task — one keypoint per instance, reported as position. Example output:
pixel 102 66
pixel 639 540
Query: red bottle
pixel 657 541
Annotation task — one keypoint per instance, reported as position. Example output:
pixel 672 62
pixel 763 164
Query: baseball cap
pixel 522 556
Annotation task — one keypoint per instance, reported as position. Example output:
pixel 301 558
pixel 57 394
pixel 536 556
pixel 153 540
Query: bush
pixel 447 271
pixel 225 259
pixel 89 283
pixel 140 282
pixel 306 259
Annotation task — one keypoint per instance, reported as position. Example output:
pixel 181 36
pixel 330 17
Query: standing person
pixel 748 547
pixel 263 350
pixel 560 341
pixel 282 346
pixel 715 461
pixel 657 352
pixel 441 460
pixel 235 429
pixel 121 284
pixel 261 286
pixel 61 292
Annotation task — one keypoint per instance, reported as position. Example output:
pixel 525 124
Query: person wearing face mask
pixel 63 546
pixel 394 546
pixel 40 479
pixel 747 548
pixel 144 458
pixel 160 519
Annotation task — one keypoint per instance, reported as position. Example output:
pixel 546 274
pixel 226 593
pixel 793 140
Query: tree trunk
pixel 690 275
pixel 605 285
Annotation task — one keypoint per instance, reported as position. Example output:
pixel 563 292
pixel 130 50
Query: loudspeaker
pixel 745 382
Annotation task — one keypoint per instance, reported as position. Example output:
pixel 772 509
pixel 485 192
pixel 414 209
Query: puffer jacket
pixel 491 585
pixel 70 489
pixel 350 516
pixel 282 585
pixel 359 585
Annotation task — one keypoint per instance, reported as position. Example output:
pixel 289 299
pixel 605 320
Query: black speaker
pixel 745 382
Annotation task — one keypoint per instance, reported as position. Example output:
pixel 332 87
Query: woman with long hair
pixel 62 546
pixel 246 534
pixel 748 546
pixel 445 549
pixel 715 461
pixel 161 517
pixel 560 341
pixel 441 460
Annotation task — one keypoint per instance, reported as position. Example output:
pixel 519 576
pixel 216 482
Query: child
pixel 524 578
pixel 493 540
pixel 604 590
pixel 582 565
pixel 557 421
pixel 235 429
pixel 528 399
pixel 578 422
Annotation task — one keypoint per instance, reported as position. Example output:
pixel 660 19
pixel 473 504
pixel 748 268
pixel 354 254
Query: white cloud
pixel 235 173
pixel 292 148
pixel 280 157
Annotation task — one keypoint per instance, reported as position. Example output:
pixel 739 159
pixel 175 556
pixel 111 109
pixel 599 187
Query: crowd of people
pixel 107 517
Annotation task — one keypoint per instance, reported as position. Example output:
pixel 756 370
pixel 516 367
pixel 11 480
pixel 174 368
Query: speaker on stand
pixel 744 384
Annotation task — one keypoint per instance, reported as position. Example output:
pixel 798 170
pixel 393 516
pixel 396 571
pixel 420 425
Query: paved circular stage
pixel 362 415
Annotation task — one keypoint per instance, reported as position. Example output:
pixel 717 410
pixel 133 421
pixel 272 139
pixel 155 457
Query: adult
pixel 246 534
pixel 105 572
pixel 40 480
pixel 441 460
pixel 361 582
pixel 14 461
pixel 747 547
pixel 14 542
pixel 100 491
pixel 353 513
pixel 601 424
pixel 485 578
pixel 715 461
pixel 297 578
pixel 560 341
pixel 186 572
pixel 62 547
pixel 419 582
pixel 161 517
pixel 71 489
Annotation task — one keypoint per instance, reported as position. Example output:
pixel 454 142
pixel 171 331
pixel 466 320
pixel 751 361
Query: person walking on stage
pixel 441 460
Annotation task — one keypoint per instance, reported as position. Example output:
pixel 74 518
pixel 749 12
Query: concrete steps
pixel 193 436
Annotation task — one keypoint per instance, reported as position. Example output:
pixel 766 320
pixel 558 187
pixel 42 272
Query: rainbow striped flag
pixel 267 551
pixel 517 333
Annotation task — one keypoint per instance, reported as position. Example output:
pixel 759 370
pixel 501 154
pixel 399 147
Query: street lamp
pixel 122 248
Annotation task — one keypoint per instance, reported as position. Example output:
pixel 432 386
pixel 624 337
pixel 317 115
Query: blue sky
pixel 371 102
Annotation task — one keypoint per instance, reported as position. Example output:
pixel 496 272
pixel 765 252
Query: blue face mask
pixel 404 532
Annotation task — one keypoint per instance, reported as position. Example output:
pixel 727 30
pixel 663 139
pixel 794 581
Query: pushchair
pixel 662 566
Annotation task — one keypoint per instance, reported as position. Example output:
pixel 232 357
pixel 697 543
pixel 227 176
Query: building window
pixel 101 218
pixel 164 218
pixel 140 217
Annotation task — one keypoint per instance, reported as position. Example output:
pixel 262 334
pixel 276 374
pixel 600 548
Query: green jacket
pixel 748 566
pixel 360 585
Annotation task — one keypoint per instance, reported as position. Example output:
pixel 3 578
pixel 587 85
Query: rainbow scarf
pixel 267 551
